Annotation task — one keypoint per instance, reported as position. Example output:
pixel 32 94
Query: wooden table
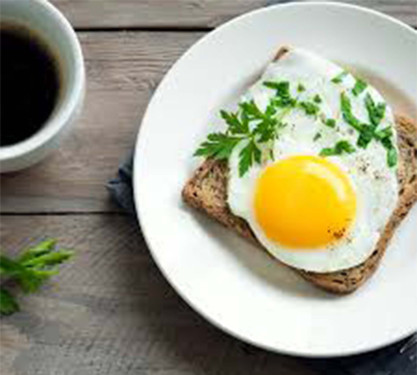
pixel 111 311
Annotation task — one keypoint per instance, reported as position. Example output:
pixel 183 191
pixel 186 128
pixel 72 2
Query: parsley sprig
pixel 252 126
pixel 359 87
pixel 339 78
pixel 29 270
pixel 376 112
pixel 340 148
pixel 368 131
pixel 283 96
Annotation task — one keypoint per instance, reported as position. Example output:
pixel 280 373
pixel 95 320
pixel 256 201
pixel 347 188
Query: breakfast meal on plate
pixel 314 166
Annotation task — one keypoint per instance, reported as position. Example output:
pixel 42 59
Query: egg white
pixel 375 183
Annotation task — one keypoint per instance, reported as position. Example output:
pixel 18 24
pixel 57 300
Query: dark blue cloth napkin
pixel 397 359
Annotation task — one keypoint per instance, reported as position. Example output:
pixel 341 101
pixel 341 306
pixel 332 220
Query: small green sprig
pixel 340 148
pixel 252 126
pixel 309 108
pixel 301 88
pixel 359 87
pixel 317 99
pixel 369 132
pixel 283 96
pixel 376 112
pixel 218 146
pixel 330 122
pixel 339 78
pixel 317 136
pixel 348 116
pixel 29 270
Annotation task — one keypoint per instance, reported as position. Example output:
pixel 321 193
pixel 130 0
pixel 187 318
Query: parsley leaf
pixel 384 133
pixel 309 108
pixel 266 131
pixel 392 155
pixel 301 88
pixel 366 135
pixel 8 304
pixel 317 99
pixel 265 128
pixel 30 270
pixel 317 136
pixel 247 156
pixel 331 123
pixel 339 77
pixel 236 126
pixel 218 146
pixel 251 109
pixel 368 132
pixel 346 107
pixel 359 87
pixel 283 96
pixel 282 88
pixel 340 148
pixel 376 112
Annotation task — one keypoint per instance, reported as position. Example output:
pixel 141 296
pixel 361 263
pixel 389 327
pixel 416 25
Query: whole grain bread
pixel 207 191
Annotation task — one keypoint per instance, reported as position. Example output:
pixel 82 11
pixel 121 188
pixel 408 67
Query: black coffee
pixel 29 84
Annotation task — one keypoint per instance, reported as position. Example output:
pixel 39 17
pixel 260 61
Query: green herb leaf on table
pixel 29 271
pixel 42 248
pixel 8 304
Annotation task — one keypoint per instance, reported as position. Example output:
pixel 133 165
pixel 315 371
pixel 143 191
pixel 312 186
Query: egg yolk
pixel 304 202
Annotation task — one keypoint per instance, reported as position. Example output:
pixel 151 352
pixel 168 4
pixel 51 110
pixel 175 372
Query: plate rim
pixel 140 214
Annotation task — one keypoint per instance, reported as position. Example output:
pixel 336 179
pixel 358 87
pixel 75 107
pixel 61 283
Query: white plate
pixel 233 284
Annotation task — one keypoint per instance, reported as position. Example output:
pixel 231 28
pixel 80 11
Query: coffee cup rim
pixel 62 117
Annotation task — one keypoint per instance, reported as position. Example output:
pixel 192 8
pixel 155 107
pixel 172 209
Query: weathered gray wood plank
pixel 110 312
pixel 123 69
pixel 192 13
pixel 154 13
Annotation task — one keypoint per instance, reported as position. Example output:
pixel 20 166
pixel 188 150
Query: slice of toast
pixel 207 191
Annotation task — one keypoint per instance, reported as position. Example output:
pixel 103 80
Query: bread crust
pixel 207 191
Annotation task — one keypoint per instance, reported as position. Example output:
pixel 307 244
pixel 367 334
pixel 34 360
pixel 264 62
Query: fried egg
pixel 312 212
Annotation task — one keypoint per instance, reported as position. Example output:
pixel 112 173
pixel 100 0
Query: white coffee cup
pixel 54 29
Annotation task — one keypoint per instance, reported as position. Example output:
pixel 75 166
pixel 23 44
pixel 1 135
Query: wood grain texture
pixel 110 312
pixel 193 13
pixel 123 69
pixel 154 13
